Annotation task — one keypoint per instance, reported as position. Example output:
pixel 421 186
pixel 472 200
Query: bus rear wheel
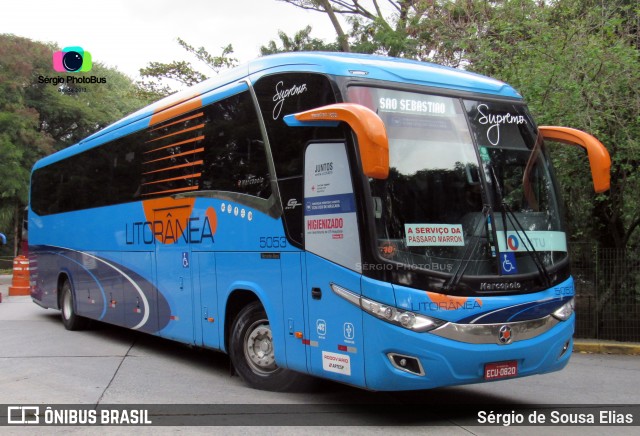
pixel 70 319
pixel 252 354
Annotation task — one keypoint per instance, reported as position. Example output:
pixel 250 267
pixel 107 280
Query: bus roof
pixel 339 64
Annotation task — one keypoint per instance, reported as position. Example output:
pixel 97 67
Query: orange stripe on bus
pixel 175 144
pixel 199 126
pixel 190 188
pixel 192 176
pixel 198 115
pixel 197 150
pixel 190 164
pixel 175 109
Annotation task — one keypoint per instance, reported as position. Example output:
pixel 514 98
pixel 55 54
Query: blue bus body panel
pixel 385 68
pixel 488 310
pixel 111 286
pixel 114 248
pixel 336 338
pixel 448 362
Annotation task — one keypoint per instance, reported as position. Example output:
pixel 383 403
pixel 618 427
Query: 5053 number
pixel 273 241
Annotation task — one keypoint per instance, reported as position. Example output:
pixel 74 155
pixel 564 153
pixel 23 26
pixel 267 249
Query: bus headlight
pixel 565 311
pixel 409 320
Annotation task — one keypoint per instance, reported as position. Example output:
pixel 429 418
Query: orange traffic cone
pixel 20 281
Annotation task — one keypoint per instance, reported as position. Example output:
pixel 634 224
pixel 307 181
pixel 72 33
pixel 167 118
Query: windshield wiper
pixel 507 213
pixel 468 252
pixel 532 252
pixel 526 177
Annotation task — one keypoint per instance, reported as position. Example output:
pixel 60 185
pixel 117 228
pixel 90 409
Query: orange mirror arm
pixel 373 142
pixel 599 158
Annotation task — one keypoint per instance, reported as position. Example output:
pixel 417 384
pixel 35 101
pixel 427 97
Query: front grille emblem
pixel 504 335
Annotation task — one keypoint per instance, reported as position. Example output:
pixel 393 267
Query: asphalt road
pixel 41 363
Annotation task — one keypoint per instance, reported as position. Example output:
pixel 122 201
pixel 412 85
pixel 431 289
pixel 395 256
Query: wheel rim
pixel 258 348
pixel 67 308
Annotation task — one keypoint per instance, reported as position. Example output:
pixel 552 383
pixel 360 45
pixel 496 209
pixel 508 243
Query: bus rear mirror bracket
pixel 599 159
pixel 366 124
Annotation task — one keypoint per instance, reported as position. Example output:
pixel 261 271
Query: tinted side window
pixel 234 152
pixel 280 95
pixel 218 147
pixel 283 94
pixel 101 176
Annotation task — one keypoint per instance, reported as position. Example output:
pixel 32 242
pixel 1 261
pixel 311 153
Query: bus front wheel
pixel 70 319
pixel 251 352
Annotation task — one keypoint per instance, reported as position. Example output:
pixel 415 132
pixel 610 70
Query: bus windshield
pixel 469 191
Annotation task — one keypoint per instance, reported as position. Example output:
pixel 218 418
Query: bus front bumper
pixel 400 359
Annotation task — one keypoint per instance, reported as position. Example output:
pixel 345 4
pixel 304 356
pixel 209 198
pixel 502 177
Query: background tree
pixel 381 27
pixel 159 78
pixel 576 63
pixel 301 41
pixel 37 118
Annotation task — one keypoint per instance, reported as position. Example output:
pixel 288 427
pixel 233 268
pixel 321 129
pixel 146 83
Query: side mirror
pixel 373 142
pixel 599 159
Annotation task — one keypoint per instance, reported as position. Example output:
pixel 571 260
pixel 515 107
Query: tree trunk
pixel 342 37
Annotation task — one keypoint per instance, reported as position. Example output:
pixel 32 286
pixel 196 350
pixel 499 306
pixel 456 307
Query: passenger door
pixel 170 228
pixel 333 258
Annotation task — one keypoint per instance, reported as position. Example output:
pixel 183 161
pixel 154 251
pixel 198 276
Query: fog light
pixel 565 348
pixel 406 363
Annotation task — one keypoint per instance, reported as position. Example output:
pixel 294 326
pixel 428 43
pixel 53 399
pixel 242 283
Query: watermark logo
pixel 23 415
pixel 72 60
pixel 81 415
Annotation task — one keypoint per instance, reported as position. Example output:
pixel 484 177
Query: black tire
pixel 70 319
pixel 251 352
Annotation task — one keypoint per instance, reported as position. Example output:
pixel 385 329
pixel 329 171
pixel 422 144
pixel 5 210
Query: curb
pixel 5 281
pixel 606 347
pixel 4 293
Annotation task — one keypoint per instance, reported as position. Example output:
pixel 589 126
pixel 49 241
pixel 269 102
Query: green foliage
pixel 179 71
pixel 216 63
pixel 301 41
pixel 159 78
pixel 576 62
pixel 38 118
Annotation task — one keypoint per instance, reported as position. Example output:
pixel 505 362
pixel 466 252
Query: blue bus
pixel 385 223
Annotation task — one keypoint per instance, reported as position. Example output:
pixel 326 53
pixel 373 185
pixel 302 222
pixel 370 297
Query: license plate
pixel 498 370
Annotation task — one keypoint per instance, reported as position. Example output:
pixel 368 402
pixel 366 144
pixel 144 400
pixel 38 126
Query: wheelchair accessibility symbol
pixel 508 264
pixel 185 259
